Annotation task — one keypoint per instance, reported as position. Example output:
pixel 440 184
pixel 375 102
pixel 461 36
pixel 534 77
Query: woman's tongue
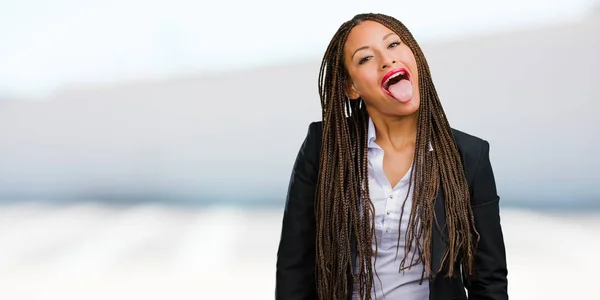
pixel 402 90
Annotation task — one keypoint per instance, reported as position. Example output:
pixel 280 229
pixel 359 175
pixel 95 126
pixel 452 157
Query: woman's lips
pixel 398 85
pixel 392 75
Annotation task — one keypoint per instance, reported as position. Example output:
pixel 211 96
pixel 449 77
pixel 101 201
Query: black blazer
pixel 295 275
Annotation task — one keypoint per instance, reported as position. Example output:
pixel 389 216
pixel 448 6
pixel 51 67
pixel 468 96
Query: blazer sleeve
pixel 490 281
pixel 295 268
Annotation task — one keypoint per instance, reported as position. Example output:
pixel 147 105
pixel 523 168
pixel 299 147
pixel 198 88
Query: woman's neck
pixel 395 132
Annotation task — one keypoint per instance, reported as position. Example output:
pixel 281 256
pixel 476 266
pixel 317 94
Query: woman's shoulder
pixel 312 142
pixel 470 147
pixel 473 149
pixel 315 130
pixel 316 126
pixel 464 140
pixel 468 142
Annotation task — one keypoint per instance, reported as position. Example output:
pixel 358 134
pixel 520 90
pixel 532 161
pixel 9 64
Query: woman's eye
pixel 364 60
pixel 394 44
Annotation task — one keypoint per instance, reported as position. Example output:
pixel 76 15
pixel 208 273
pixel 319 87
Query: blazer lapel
pixel 439 236
pixel 353 255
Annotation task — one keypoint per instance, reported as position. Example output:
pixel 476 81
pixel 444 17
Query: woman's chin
pixel 408 107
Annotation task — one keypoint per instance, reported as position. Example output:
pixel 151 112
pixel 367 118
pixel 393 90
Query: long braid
pixel 343 208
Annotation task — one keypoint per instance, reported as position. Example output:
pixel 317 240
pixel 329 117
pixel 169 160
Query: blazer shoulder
pixel 312 142
pixel 315 131
pixel 468 142
pixel 471 148
pixel 316 127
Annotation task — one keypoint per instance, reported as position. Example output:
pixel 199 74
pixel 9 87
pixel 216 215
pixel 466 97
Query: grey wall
pixel 532 94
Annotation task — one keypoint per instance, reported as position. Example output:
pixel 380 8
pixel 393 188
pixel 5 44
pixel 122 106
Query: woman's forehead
pixel 367 33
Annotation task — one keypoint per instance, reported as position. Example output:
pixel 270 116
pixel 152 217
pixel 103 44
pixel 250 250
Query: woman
pixel 386 200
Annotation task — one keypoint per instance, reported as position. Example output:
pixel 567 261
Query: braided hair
pixel 343 208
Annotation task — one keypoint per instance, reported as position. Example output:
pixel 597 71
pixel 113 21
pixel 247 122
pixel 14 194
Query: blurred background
pixel 146 146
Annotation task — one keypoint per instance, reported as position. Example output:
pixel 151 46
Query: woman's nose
pixel 387 62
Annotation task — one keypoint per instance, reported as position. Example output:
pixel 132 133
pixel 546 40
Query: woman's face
pixel 382 69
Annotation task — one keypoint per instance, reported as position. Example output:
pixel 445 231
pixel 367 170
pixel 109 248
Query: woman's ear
pixel 351 91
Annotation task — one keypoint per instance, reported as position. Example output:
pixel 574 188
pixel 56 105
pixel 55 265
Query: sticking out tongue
pixel 402 90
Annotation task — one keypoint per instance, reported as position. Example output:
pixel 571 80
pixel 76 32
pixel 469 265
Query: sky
pixel 47 45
